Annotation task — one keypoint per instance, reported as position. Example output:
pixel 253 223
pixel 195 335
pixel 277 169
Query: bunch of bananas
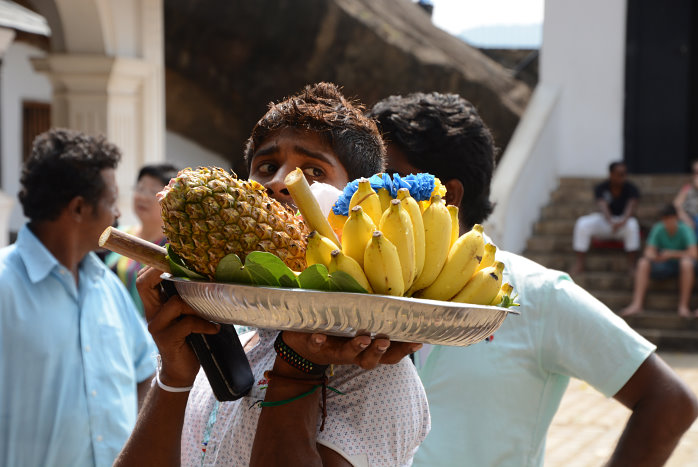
pixel 403 246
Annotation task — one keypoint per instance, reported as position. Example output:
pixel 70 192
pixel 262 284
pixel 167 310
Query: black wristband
pixel 290 356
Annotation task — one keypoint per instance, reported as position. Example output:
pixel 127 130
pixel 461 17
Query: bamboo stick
pixel 309 207
pixel 135 248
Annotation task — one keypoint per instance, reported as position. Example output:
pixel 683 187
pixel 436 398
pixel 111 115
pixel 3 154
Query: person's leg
pixel 586 227
pixel 642 279
pixel 631 240
pixel 686 277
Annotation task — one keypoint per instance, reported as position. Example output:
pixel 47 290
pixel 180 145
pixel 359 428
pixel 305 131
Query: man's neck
pixel 63 243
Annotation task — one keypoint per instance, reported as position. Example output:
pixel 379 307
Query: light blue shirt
pixel 492 403
pixel 70 359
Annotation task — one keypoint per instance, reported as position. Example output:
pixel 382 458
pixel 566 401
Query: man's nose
pixel 276 187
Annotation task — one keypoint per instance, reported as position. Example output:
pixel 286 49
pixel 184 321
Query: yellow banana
pixel 368 200
pixel 382 266
pixel 318 249
pixel 462 260
pixel 455 223
pixel 437 239
pixel 505 289
pixel 415 212
pixel 341 262
pixel 336 221
pixel 385 198
pixel 397 227
pixel 307 204
pixel 483 287
pixel 487 257
pixel 356 234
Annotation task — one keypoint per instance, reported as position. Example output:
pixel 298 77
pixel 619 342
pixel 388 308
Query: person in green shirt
pixel 670 252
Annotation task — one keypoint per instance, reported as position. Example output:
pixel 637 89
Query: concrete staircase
pixel 606 276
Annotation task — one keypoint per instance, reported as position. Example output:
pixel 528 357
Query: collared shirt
pixel 492 403
pixel 71 357
pixel 379 421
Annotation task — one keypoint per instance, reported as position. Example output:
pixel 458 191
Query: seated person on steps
pixel 616 199
pixel 670 252
pixel 686 201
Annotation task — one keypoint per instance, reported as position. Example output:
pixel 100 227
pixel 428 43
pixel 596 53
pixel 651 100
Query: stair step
pixel 656 300
pixel 667 321
pixel 609 280
pixel 607 276
pixel 596 260
pixel 646 213
pixel 671 340
pixel 566 196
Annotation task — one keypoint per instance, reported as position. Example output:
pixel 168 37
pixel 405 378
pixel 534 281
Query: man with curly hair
pixel 382 414
pixel 76 358
pixel 492 402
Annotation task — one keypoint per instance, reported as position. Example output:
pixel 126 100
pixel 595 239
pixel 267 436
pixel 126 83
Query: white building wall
pixel 583 55
pixel 19 83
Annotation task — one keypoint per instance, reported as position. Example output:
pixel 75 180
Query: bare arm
pixel 690 252
pixel 292 428
pixel 678 204
pixel 663 409
pixel 651 253
pixel 603 207
pixel 142 388
pixel 629 209
pixel 155 441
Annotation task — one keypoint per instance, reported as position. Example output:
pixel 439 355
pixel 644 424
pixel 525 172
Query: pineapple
pixel 209 213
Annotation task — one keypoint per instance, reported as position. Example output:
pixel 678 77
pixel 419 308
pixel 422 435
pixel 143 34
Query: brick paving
pixel 587 425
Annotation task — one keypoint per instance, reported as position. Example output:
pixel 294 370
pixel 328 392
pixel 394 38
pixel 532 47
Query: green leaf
pixel 178 267
pixel 315 277
pixel 268 269
pixel 343 282
pixel 230 269
pixel 508 302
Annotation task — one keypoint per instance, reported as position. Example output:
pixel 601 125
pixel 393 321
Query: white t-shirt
pixel 492 403
pixel 381 419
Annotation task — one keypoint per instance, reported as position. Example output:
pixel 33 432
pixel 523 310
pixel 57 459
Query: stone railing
pixel 527 173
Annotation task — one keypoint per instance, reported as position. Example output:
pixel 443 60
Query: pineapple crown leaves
pixel 421 186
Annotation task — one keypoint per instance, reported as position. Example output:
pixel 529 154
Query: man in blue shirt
pixel 75 356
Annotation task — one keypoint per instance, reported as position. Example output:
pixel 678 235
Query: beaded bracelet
pixel 290 356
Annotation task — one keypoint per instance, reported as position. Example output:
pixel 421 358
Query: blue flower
pixel 420 185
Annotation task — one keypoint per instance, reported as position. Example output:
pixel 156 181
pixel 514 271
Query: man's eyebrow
pixel 266 151
pixel 315 155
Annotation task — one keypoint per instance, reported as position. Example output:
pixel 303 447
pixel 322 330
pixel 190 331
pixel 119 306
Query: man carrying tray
pixel 492 402
pixel 382 415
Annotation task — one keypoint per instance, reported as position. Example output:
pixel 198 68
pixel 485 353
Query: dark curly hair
pixel 322 108
pixel 443 134
pixel 163 172
pixel 64 164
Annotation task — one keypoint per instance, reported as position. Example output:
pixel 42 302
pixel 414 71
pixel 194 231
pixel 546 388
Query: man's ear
pixel 454 192
pixel 78 208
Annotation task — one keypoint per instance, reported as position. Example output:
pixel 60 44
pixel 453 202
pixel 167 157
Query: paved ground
pixel 587 426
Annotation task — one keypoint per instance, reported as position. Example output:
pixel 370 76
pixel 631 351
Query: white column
pixel 97 94
pixel 6 202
